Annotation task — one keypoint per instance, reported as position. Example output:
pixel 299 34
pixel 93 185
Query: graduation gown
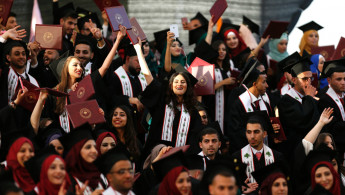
pixel 297 119
pixel 44 75
pixel 153 98
pixel 337 125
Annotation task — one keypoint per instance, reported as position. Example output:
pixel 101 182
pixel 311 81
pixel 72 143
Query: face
pixel 49 56
pixel 175 48
pixel 335 164
pixel 17 57
pixel 83 52
pixel 232 41
pixel 179 85
pixel 85 30
pixel 329 142
pixel 25 153
pixel 222 185
pixel 119 119
pixel 221 52
pixel 74 69
pixel 58 146
pixel 313 39
pixel 107 144
pixel 302 81
pixel 68 25
pixel 121 176
pixel 337 81
pixel 11 23
pixel 146 49
pixel 183 183
pixel 255 135
pixel 324 177
pixel 133 62
pixel 261 84
pixel 193 24
pixel 56 172
pixel 280 187
pixel 321 62
pixel 203 115
pixel 89 151
pixel 282 45
pixel 210 144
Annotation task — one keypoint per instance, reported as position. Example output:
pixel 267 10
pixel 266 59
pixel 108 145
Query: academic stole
pixel 247 158
pixel 247 102
pixel 183 127
pixel 64 120
pixel 219 109
pixel 264 97
pixel 87 190
pixel 331 93
pixel 285 89
pixel 292 93
pixel 87 69
pixel 126 83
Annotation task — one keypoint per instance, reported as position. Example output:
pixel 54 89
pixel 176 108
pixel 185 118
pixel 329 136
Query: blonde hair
pixel 303 45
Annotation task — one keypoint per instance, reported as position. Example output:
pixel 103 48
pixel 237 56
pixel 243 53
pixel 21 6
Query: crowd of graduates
pixel 272 124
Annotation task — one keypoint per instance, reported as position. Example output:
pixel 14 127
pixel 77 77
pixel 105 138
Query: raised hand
pixel 170 38
pixel 122 33
pixel 326 117
pixel 15 34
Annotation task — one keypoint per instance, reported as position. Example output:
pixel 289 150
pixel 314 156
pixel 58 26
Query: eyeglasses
pixel 305 79
pixel 123 171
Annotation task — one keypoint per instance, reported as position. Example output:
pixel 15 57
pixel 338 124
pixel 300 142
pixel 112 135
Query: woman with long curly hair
pixel 73 72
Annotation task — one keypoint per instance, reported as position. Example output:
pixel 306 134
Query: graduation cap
pixel 57 65
pixel 196 34
pixel 67 10
pixel 330 67
pixel 201 18
pixel 51 132
pixel 251 74
pixel 251 25
pixel 322 153
pixel 260 117
pixel 298 67
pixel 106 161
pixel 164 165
pixel 34 164
pixel 277 167
pixel 161 38
pixel 310 26
pixel 87 40
pixel 291 59
pixel 81 133
pixel 194 162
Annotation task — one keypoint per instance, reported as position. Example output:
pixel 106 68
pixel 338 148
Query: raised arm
pixel 105 66
pixel 208 38
pixel 167 62
pixel 143 65
pixel 36 113
pixel 325 118
pixel 255 52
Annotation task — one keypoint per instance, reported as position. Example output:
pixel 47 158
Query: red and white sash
pixel 247 102
pixel 331 93
pixel 64 120
pixel 219 104
pixel 12 81
pixel 183 127
pixel 292 93
pixel 87 70
pixel 126 83
pixel 285 89
pixel 247 158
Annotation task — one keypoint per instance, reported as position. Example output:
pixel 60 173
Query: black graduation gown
pixel 258 164
pixel 337 125
pixel 236 124
pixel 297 120
pixel 44 76
pixel 153 98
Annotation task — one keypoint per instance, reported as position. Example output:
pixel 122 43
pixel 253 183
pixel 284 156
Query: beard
pixel 133 71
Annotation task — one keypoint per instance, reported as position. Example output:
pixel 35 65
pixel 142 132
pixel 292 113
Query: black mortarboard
pixel 195 162
pixel 87 40
pixel 251 74
pixel 298 67
pixel 34 164
pixel 164 165
pixel 196 34
pixel 56 66
pixel 291 59
pixel 277 167
pixel 262 118
pixel 76 135
pixel 316 156
pixel 251 25
pixel 85 15
pixel 130 51
pixel 310 26
pixel 330 67
pixel 47 134
pixel 161 39
pixel 66 10
pixel 201 18
pixel 106 161
pixel 227 26
pixel 248 65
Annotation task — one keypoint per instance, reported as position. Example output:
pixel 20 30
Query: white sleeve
pixel 105 30
pixel 308 146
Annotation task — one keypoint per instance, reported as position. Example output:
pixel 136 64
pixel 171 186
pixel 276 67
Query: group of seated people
pixel 265 129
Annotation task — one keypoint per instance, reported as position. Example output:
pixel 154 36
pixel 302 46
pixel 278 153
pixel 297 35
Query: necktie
pixel 342 101
pixel 257 105
pixel 258 155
